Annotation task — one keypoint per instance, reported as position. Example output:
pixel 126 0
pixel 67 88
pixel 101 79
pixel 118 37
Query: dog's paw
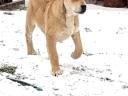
pixel 32 53
pixel 75 55
pixel 58 72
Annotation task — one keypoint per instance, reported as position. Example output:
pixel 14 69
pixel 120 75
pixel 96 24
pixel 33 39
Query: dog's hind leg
pixel 78 46
pixel 29 30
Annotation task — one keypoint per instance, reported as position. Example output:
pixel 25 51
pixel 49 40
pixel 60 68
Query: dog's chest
pixel 67 31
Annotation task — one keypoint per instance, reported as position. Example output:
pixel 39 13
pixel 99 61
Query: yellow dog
pixel 58 19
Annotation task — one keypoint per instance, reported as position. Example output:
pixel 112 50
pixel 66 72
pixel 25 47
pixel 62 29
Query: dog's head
pixel 75 6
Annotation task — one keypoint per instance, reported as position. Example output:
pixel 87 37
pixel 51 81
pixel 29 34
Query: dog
pixel 58 20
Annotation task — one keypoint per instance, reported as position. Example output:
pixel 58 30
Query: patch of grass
pixel 8 69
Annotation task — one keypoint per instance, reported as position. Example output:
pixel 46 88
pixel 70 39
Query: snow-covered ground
pixel 103 71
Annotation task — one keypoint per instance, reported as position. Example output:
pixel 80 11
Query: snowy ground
pixel 103 71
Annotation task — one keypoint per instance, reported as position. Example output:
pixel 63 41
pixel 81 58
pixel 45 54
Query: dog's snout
pixel 83 8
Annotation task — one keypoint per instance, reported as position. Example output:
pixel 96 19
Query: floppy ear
pixel 63 7
pixel 59 8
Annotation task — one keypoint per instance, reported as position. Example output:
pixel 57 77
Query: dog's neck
pixel 70 14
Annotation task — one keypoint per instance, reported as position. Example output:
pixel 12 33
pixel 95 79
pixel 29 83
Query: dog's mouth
pixel 81 12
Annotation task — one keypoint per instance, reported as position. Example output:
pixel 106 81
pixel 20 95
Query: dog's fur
pixel 58 19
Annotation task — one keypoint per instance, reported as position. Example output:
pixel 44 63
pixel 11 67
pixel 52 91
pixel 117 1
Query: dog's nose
pixel 83 8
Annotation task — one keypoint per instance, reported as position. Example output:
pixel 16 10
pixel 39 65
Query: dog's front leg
pixel 78 46
pixel 52 52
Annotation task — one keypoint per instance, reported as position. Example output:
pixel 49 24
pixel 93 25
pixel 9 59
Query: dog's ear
pixel 64 9
pixel 58 11
pixel 59 8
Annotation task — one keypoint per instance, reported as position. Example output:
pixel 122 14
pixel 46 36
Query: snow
pixel 101 72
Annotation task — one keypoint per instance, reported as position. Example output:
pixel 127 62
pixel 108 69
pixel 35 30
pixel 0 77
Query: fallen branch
pixel 23 83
